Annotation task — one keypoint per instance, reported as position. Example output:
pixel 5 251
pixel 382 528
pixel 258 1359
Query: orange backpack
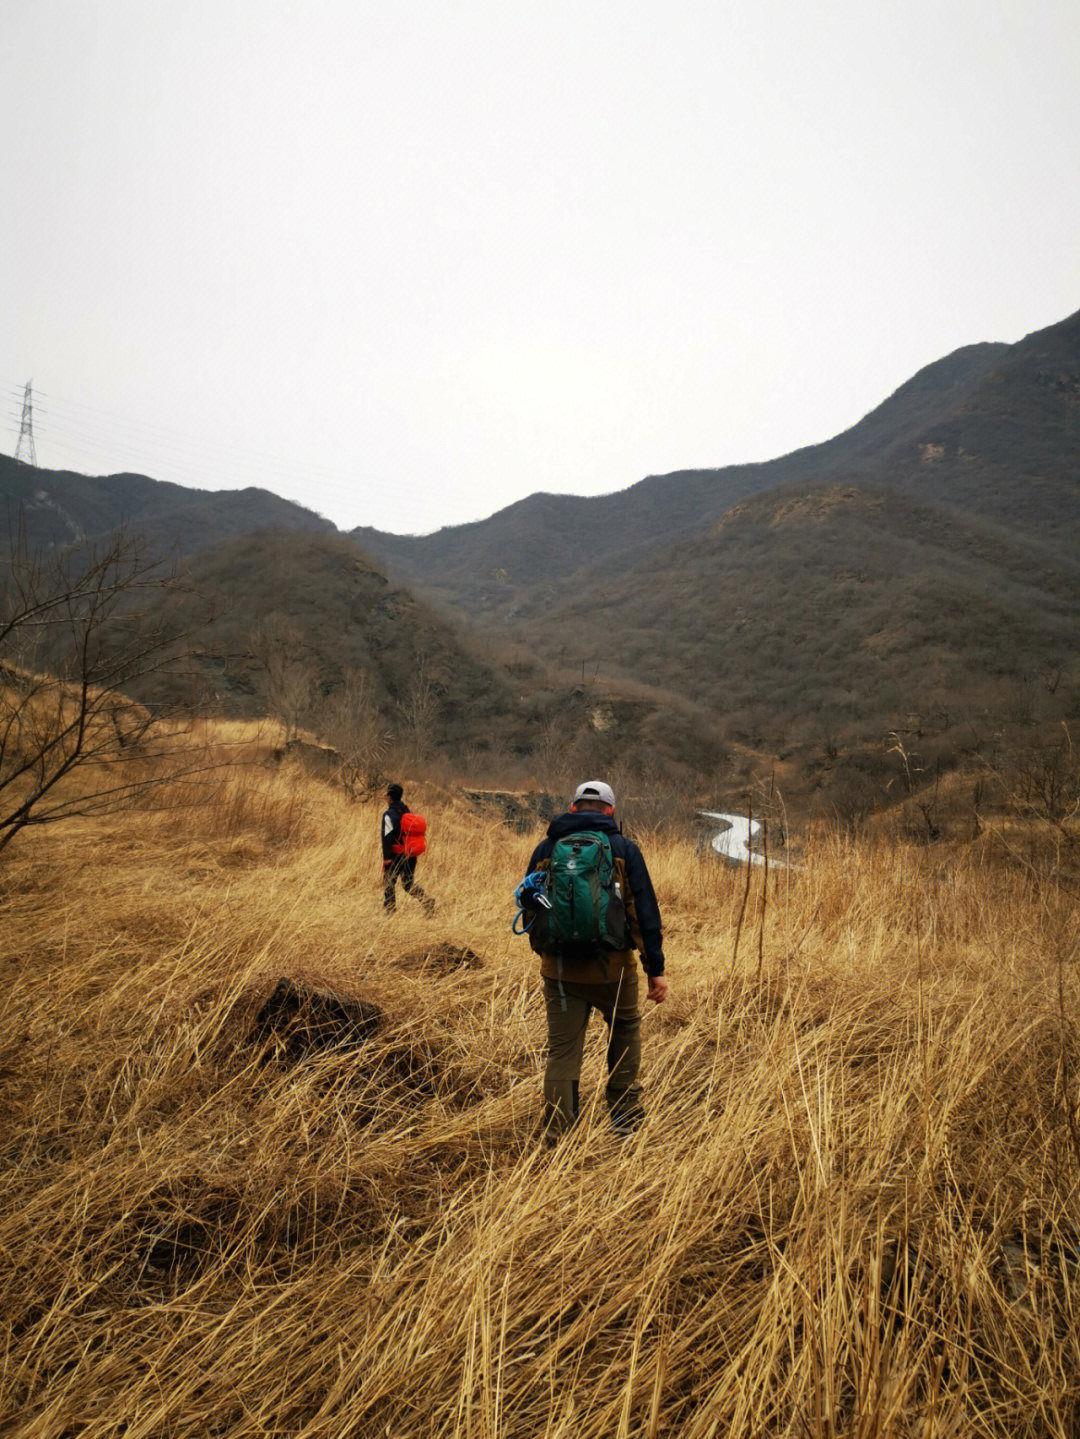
pixel 413 830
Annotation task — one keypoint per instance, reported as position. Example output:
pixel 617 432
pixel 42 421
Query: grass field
pixel 852 1210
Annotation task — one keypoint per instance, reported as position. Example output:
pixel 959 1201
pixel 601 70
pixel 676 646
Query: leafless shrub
pixel 349 719
pixel 283 659
pixel 1047 780
pixel 419 709
pixel 80 631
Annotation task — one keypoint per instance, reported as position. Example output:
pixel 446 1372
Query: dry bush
pixel 852 1209
pixel 81 629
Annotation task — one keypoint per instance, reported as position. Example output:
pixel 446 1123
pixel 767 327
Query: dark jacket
pixel 645 910
pixel 391 828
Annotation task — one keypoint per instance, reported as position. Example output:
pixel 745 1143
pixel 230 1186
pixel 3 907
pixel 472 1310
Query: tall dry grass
pixel 852 1209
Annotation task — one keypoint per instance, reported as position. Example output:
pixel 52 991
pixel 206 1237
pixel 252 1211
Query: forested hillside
pixel 306 628
pixel 916 574
pixel 991 429
pixel 835 609
pixel 60 507
pixel 481 567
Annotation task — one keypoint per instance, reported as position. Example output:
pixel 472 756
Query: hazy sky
pixel 406 264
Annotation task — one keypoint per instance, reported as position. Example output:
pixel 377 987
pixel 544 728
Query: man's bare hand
pixel 657 988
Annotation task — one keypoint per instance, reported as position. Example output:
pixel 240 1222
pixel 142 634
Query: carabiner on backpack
pixel 531 894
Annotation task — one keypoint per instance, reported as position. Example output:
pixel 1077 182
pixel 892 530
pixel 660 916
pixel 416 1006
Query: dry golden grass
pixel 852 1209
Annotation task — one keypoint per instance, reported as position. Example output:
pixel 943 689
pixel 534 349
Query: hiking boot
pixel 553 1126
pixel 626 1117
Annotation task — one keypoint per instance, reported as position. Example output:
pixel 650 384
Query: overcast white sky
pixel 406 264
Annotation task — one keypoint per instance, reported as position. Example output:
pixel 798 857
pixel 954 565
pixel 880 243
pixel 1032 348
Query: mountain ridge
pixel 60 507
pixel 923 560
pixel 930 432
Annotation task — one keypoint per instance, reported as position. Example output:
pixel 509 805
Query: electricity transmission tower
pixel 26 454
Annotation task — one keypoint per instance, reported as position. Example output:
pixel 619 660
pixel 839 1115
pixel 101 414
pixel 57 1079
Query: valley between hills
pixel 885 621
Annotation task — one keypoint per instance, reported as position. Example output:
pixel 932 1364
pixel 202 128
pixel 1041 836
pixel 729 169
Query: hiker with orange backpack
pixel 403 841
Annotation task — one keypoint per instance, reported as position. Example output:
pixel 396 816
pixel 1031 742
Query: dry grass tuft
pixel 852 1209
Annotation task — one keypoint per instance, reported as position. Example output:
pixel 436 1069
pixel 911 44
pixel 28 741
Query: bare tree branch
pixel 81 630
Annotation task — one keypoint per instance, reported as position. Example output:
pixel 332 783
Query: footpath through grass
pixel 852 1209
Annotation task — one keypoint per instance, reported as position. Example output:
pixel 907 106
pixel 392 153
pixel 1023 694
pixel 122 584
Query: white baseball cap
pixel 595 789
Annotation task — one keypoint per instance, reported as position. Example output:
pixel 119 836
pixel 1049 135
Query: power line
pixel 67 412
pixel 92 440
pixel 107 431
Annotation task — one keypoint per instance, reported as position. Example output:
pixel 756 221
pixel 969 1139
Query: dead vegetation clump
pixel 852 1209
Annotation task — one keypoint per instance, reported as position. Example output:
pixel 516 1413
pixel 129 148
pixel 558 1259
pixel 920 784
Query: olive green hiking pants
pixel 567 1020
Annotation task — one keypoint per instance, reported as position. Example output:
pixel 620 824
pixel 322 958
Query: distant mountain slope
pixel 343 619
pixel 833 606
pixel 267 567
pixel 992 429
pixel 57 507
pixel 923 560
pixel 1008 449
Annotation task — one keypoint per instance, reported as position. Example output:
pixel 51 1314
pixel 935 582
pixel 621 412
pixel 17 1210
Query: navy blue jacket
pixel 637 876
pixel 391 827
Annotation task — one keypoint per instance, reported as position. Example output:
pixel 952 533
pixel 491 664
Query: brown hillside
pixel 493 707
pixel 923 560
pixel 59 507
pixel 837 608
pixel 992 429
pixel 341 616
pixel 1009 449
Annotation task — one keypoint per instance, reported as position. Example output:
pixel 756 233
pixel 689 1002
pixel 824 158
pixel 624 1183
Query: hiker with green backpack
pixel 587 903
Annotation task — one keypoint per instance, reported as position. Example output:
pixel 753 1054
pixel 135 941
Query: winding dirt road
pixel 733 841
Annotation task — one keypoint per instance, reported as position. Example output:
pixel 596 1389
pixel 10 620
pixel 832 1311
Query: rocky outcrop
pixel 521 810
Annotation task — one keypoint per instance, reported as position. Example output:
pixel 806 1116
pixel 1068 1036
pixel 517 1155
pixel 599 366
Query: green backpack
pixel 587 910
